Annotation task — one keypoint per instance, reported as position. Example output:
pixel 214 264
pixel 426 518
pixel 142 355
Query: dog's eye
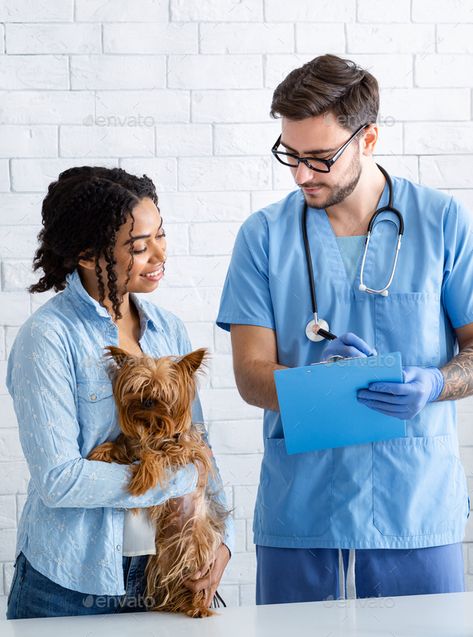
pixel 148 403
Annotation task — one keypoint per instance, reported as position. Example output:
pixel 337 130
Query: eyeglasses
pixel 314 163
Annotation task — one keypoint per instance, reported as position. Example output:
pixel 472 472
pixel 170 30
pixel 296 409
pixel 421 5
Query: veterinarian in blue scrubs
pixel 380 519
pixel 80 550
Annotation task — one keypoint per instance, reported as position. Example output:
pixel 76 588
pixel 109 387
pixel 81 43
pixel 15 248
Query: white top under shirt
pixel 138 534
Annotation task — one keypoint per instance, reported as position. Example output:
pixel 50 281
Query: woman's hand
pixel 210 580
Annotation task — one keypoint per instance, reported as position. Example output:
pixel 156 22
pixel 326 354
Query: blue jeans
pixel 309 575
pixel 34 595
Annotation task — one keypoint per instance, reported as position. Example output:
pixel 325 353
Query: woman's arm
pixel 41 385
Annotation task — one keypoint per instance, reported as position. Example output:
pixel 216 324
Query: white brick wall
pixel 54 38
pixel 181 90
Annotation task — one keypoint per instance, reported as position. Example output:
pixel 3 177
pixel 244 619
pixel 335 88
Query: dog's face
pixel 154 395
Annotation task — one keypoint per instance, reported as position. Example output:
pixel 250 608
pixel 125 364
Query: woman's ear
pixel 87 260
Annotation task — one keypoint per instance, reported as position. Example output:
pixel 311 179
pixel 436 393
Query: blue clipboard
pixel 319 406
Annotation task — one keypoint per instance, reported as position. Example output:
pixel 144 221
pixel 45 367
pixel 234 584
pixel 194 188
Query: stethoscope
pixel 324 329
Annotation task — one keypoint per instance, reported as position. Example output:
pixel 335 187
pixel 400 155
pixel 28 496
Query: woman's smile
pixel 155 275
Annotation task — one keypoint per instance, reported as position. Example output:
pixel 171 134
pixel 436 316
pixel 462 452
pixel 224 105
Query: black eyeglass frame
pixel 328 163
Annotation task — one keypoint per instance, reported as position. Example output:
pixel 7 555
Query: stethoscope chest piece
pixel 309 331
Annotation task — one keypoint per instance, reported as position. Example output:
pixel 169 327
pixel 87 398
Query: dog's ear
pixel 191 362
pixel 119 355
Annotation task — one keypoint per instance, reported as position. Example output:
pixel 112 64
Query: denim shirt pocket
pixel 96 406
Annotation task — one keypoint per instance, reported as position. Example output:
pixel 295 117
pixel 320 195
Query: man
pixel 379 519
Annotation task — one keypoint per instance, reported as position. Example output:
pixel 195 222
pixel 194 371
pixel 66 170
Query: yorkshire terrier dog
pixel 154 398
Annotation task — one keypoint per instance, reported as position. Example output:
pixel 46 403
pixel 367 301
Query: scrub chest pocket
pixel 409 323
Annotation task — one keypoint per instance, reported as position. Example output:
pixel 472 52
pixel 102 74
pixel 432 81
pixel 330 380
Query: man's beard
pixel 338 194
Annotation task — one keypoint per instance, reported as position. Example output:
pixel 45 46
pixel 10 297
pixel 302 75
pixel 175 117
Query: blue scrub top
pixel 403 493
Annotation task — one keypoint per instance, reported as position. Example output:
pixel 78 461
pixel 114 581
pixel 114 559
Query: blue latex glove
pixel 347 345
pixel 405 400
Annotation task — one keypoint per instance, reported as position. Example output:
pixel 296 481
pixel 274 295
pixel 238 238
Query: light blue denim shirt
pixel 71 528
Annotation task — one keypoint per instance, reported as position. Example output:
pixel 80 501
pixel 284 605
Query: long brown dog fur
pixel 154 398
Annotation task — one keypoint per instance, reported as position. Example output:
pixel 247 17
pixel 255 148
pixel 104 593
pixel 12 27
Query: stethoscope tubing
pixel 389 208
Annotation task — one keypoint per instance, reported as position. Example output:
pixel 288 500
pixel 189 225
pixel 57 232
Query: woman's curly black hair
pixel 81 215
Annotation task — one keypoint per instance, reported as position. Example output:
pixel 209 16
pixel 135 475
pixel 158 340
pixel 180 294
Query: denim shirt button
pixel 93 396
pixel 118 547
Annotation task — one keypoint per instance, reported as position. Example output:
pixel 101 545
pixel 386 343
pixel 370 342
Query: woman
pixel 78 551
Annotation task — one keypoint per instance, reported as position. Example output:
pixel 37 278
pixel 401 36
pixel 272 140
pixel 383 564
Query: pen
pixel 326 334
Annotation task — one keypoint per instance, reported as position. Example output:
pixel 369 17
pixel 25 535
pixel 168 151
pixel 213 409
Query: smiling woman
pixel 79 551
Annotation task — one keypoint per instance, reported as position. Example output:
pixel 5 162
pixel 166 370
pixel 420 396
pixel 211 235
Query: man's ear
pixel 120 356
pixel 191 362
pixel 370 139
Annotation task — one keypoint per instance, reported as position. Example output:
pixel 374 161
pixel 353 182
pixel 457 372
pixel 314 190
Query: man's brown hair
pixel 328 84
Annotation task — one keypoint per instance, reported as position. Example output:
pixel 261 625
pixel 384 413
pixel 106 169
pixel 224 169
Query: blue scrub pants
pixel 310 575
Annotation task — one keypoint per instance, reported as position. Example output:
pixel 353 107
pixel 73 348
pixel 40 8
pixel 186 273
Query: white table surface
pixel 417 616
